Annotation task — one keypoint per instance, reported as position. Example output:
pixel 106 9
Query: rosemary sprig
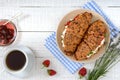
pixel 106 62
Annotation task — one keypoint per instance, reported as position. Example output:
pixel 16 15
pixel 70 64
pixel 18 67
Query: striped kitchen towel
pixel 52 46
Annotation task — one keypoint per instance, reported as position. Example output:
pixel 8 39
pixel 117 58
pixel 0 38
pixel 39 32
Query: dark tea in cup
pixel 18 61
pixel 15 60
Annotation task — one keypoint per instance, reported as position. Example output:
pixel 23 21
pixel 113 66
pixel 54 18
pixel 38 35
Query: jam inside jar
pixel 7 32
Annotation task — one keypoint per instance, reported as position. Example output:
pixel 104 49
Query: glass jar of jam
pixel 8 32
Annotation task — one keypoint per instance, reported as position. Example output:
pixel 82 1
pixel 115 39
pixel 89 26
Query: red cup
pixel 8 32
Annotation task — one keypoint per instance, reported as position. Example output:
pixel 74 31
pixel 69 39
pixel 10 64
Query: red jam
pixel 7 32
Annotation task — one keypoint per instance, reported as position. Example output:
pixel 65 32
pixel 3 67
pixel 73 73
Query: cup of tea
pixel 8 32
pixel 18 61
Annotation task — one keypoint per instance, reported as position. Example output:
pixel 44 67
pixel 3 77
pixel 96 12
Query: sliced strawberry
pixel 2 36
pixel 51 72
pixel 46 63
pixel 76 17
pixel 82 72
pixel 10 36
pixel 101 38
pixel 68 23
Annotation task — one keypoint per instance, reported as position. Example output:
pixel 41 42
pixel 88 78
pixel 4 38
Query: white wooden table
pixel 40 18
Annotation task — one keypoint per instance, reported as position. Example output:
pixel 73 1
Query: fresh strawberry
pixel 46 63
pixel 82 72
pixel 51 72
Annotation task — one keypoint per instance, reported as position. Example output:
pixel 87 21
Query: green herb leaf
pixel 90 53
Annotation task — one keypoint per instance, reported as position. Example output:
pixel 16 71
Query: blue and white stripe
pixel 52 46
pixel 93 6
